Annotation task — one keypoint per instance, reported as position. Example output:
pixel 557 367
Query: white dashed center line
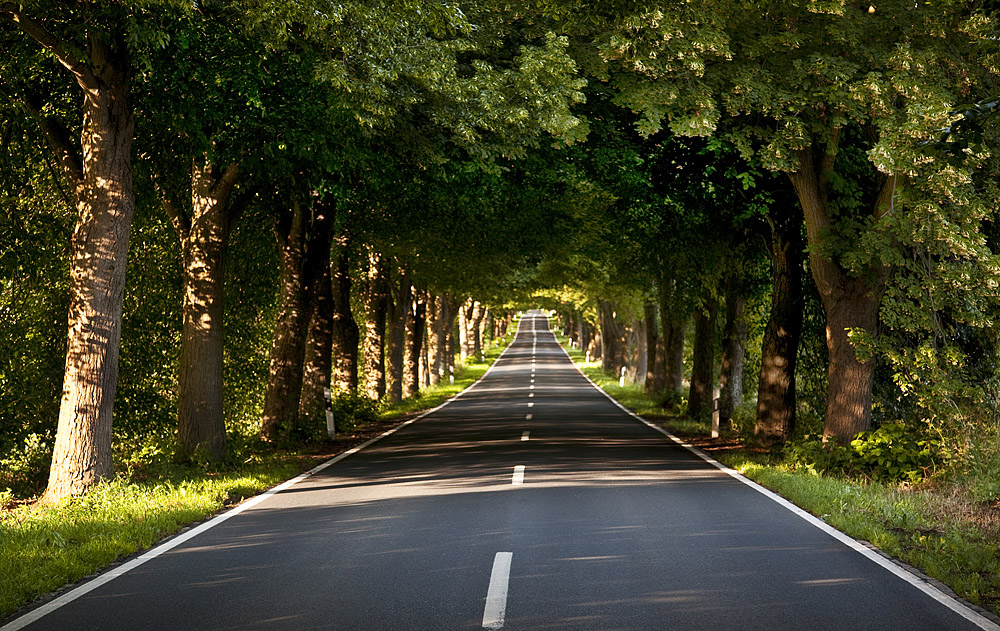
pixel 496 595
pixel 518 478
pixel 524 436
pixel 528 417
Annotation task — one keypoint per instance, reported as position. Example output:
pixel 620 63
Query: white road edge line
pixel 36 614
pixel 496 595
pixel 930 590
pixel 518 478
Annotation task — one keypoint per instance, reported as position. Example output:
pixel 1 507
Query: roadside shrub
pixel 892 453
pixel 24 471
pixel 351 410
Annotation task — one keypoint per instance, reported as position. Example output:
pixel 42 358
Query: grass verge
pixel 44 548
pixel 936 526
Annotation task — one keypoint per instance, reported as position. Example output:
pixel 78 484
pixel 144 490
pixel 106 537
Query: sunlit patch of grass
pixel 913 524
pixel 43 548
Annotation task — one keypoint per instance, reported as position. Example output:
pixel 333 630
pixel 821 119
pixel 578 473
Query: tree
pixel 809 88
pixel 89 42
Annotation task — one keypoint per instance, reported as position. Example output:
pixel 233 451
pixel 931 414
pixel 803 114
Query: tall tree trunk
pixel 585 337
pixel 612 351
pixel 703 368
pixel 672 321
pixel 639 351
pixel 652 339
pixel 101 179
pixel 375 300
pixel 398 302
pixel 463 330
pixel 434 345
pixel 299 238
pixel 779 348
pixel 415 341
pixel 850 302
pixel 317 371
pixel 596 346
pixel 478 314
pixel 448 333
pixel 204 236
pixel 346 335
pixel 734 339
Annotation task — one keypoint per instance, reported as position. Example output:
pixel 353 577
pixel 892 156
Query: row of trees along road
pixel 337 186
pixel 287 106
pixel 837 99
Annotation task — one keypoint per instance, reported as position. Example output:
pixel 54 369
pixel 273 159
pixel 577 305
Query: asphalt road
pixel 530 502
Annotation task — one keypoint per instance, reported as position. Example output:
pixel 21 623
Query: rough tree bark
pixel 652 339
pixel 318 367
pixel 703 368
pixel 435 305
pixel 398 303
pixel 672 322
pixel 414 343
pixel 100 177
pixel 638 351
pixel 779 348
pixel 203 232
pixel 346 335
pixel 478 315
pixel 300 237
pixel 612 346
pixel 450 311
pixel 734 339
pixel 375 300
pixel 850 302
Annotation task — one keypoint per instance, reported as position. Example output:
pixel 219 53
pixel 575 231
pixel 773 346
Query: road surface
pixel 529 502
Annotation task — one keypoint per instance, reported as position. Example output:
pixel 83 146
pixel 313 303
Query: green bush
pixel 24 471
pixel 351 410
pixel 892 453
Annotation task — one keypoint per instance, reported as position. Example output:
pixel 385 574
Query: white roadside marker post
pixel 331 426
pixel 715 412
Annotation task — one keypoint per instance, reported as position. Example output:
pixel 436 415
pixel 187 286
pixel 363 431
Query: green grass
pixel 937 527
pixel 44 548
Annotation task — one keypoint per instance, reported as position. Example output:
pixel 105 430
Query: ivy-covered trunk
pixel 734 338
pixel 703 368
pixel 850 300
pixel 346 335
pixel 672 321
pixel 102 186
pixel 318 367
pixel 652 339
pixel 398 310
pixel 204 238
pixel 776 389
pixel 376 306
